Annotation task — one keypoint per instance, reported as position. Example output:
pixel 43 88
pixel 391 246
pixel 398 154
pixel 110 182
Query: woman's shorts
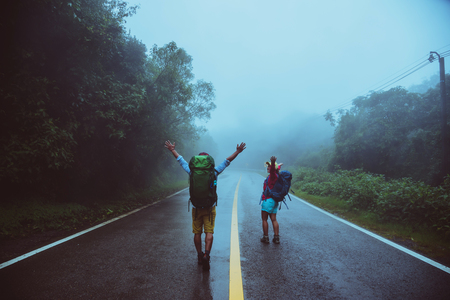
pixel 270 206
pixel 203 218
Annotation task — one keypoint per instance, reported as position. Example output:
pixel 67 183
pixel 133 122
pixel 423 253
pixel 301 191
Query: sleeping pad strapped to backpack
pixel 202 181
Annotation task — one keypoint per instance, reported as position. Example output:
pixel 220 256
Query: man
pixel 203 218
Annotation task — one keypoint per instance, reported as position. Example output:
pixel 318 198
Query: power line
pixel 443 47
pixel 417 67
pixel 445 54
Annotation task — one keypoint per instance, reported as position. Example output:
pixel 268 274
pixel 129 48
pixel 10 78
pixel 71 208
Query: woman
pixel 269 206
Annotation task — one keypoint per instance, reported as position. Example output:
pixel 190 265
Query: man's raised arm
pixel 171 148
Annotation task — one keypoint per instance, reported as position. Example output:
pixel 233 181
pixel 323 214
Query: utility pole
pixel 444 134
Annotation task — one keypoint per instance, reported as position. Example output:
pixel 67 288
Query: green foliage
pixel 401 200
pixel 395 133
pixel 316 159
pixel 25 217
pixel 422 239
pixel 38 215
pixel 85 110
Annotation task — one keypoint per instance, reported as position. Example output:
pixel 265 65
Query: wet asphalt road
pixel 150 255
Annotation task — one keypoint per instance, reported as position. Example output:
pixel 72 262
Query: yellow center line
pixel 236 288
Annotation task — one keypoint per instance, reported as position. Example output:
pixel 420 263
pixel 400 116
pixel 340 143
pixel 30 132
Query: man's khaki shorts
pixel 203 218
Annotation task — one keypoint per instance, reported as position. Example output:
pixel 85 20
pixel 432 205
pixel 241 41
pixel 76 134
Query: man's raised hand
pixel 169 145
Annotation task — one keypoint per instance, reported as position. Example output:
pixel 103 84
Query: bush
pixel 400 200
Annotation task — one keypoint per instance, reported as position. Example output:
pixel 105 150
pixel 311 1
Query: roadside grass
pixel 421 240
pixel 25 218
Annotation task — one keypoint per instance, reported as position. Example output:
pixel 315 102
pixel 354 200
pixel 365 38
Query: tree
pixel 395 133
pixel 171 105
pixel 84 108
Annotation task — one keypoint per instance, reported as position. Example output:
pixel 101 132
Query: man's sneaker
pixel 265 239
pixel 276 239
pixel 200 258
pixel 205 262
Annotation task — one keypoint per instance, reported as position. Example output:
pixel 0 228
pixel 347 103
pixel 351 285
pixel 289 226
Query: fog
pixel 277 67
pixel 296 134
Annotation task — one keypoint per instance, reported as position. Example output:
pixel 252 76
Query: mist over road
pixel 151 255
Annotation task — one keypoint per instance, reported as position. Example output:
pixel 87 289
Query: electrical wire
pixel 445 54
pixel 376 84
pixel 417 67
pixel 443 47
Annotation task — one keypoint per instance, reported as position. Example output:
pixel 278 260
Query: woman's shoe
pixel 265 239
pixel 276 239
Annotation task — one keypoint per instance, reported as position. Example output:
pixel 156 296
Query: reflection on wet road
pixel 151 255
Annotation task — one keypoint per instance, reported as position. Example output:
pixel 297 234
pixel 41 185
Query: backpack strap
pixel 281 202
pixel 284 200
pixel 210 213
pixel 266 191
pixel 213 184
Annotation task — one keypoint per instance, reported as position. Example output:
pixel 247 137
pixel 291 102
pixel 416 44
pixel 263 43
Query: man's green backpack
pixel 202 181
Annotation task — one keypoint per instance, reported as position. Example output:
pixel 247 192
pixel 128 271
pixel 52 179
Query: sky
pixel 273 60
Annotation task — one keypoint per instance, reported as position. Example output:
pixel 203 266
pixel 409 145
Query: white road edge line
pixel 22 257
pixel 384 240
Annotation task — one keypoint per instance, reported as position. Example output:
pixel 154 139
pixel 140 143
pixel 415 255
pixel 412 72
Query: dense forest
pixel 85 106
pixel 396 133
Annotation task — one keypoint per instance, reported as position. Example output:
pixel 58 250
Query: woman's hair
pixel 277 167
